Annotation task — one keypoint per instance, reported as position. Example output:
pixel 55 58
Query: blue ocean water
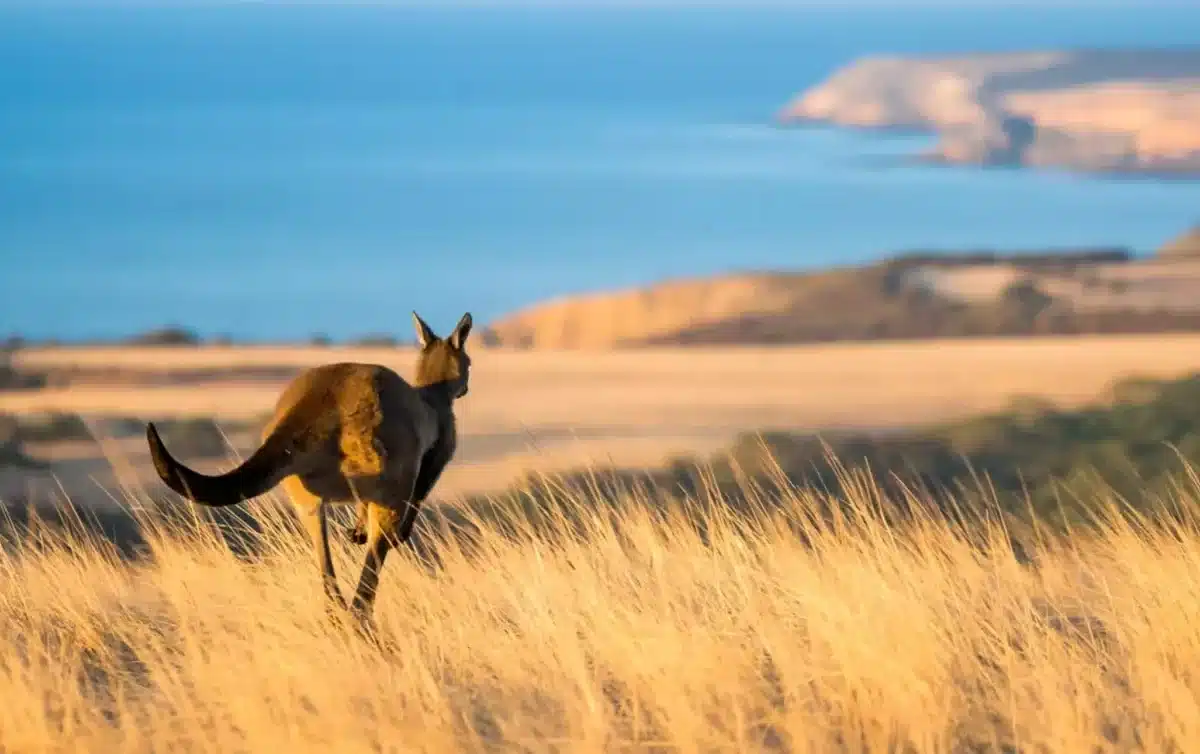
pixel 274 172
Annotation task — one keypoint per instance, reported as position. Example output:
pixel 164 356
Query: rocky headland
pixel 1130 111
pixel 910 296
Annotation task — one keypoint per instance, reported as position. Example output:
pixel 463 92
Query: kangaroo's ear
pixel 425 334
pixel 458 338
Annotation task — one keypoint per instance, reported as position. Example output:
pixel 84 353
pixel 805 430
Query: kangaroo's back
pixel 353 419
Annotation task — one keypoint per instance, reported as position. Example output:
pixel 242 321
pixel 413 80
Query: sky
pixel 964 4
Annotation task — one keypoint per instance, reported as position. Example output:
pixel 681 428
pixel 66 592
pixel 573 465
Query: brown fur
pixel 349 433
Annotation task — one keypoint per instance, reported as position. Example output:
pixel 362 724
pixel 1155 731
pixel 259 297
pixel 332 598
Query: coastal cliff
pixel 911 296
pixel 1097 110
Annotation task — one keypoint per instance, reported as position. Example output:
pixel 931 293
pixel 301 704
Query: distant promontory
pixel 1132 111
pixel 913 295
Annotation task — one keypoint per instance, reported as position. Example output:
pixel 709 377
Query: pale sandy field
pixel 552 410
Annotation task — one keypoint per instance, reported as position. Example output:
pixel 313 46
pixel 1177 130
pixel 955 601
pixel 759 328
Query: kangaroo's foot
pixel 362 623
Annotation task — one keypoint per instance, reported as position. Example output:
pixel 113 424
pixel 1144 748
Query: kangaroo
pixel 349 433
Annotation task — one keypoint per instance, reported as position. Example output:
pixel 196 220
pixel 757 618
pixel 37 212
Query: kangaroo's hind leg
pixel 313 513
pixel 384 519
pixel 358 532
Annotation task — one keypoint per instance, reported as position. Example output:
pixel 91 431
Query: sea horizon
pixel 276 173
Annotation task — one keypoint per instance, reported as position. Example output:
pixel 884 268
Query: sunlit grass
pixel 689 629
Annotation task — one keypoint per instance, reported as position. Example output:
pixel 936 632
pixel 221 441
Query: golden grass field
pixel 551 410
pixel 634 635
pixel 773 633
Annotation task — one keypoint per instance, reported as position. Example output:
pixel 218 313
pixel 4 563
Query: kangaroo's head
pixel 444 361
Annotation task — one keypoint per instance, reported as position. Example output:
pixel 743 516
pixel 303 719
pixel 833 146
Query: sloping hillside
pixel 1186 246
pixel 916 296
pixel 658 311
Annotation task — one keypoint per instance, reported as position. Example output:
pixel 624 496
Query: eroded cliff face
pixel 610 319
pixel 1097 110
pixel 935 295
pixel 1184 247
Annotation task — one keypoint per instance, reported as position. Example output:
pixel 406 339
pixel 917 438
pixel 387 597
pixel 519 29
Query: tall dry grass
pixel 638 631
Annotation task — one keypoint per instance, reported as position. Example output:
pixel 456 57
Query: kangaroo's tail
pixel 257 474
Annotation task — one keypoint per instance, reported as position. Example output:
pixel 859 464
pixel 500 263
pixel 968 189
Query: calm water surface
pixel 277 172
